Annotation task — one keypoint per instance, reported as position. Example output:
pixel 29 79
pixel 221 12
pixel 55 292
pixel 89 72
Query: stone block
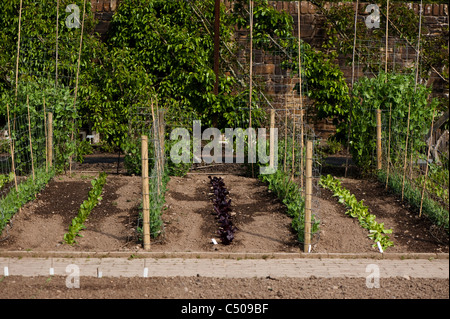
pixel 113 5
pixel 435 9
pixel 428 9
pixel 264 69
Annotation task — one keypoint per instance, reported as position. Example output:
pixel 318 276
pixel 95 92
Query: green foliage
pixel 291 196
pixel 86 207
pixel 5 179
pixel 83 148
pixel 413 195
pixel 358 210
pixel 155 205
pixel 27 190
pixel 382 92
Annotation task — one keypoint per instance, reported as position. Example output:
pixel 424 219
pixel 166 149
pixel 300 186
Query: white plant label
pixel 214 241
pixel 373 20
pixel 73 20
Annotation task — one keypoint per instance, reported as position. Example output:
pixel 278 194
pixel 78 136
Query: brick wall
pixel 435 18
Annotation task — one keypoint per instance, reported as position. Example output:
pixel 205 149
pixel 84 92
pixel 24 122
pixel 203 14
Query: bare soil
pixel 189 226
pixel 220 289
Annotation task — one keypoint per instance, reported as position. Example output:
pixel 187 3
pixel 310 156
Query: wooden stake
pixel 308 196
pixel 387 37
pixel 155 132
pixel 389 146
pixel 31 143
pixel 76 82
pixel 353 83
pixel 251 81
pixel 145 192
pixel 302 145
pixel 11 145
pixel 426 169
pixel 57 43
pixel 50 139
pixel 18 49
pixel 379 150
pixel 285 138
pixel 272 140
pixel 406 150
pixel 46 138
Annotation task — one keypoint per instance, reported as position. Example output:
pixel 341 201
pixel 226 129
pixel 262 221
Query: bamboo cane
pixel 145 192
pixel 11 145
pixel 31 143
pixel 389 146
pixel 308 196
pixel 426 169
pixel 76 82
pixel 406 150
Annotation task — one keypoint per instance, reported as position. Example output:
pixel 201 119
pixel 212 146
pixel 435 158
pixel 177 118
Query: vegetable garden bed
pixel 261 219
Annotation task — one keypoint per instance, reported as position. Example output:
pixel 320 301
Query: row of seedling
pixel 222 210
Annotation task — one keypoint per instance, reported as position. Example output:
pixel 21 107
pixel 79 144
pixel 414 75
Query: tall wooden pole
pixel 18 49
pixel 250 137
pixel 145 192
pixel 50 139
pixel 406 150
pixel 272 140
pixel 353 83
pixel 379 149
pixel 302 144
pixel 426 169
pixel 389 147
pixel 11 145
pixel 31 143
pixel 387 38
pixel 77 78
pixel 57 43
pixel 308 196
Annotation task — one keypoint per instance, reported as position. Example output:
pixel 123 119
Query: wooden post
pixel 156 147
pixel 426 169
pixel 18 49
pixel 50 139
pixel 406 150
pixel 250 137
pixel 285 138
pixel 76 82
pixel 353 84
pixel 46 138
pixel 145 192
pixel 29 135
pixel 389 146
pixel 308 196
pixel 272 140
pixel 387 38
pixel 379 150
pixel 302 145
pixel 11 145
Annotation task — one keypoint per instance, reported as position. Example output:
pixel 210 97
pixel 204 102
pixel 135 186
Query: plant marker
pixel 145 272
pixel 6 271
pixel 214 241
pixel 52 271
pixel 99 273
pixel 379 247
